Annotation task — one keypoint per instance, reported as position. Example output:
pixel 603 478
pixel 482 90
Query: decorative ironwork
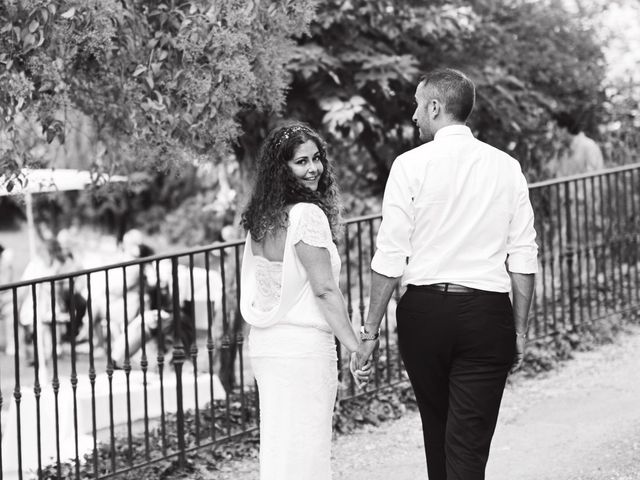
pixel 86 402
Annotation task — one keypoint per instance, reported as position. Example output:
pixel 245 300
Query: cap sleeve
pixel 311 226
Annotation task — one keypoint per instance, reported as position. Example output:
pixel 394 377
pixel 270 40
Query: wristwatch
pixel 368 336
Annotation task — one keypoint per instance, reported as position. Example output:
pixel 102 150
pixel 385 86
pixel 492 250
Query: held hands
pixel 361 362
pixel 360 373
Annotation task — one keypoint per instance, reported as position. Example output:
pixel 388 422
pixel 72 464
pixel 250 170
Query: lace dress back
pixel 268 284
pixel 279 292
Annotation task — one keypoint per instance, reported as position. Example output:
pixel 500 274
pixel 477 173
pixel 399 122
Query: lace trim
pixel 268 283
pixel 313 228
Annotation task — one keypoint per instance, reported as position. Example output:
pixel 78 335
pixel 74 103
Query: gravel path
pixel 579 422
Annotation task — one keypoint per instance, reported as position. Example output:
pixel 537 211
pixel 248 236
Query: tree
pixel 163 82
pixel 355 74
pixel 621 138
pixel 175 83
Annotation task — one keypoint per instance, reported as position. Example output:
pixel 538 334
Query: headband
pixel 287 132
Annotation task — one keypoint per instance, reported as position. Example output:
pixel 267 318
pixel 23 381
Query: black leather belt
pixel 449 288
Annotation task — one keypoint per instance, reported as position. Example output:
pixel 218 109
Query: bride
pixel 290 297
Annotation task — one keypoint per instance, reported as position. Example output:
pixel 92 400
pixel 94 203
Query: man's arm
pixel 393 247
pixel 382 287
pixel 522 263
pixel 522 285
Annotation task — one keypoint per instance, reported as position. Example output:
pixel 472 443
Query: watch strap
pixel 368 336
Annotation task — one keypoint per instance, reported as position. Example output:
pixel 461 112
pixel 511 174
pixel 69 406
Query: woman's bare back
pixel 271 246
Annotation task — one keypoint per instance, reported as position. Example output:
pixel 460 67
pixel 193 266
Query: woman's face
pixel 306 165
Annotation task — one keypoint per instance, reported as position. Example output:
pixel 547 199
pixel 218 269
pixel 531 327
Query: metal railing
pixel 116 368
pixel 588 230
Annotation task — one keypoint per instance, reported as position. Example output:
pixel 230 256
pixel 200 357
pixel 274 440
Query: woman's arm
pixel 317 262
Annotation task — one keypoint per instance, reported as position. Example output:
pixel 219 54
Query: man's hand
pixel 519 357
pixel 522 285
pixel 365 351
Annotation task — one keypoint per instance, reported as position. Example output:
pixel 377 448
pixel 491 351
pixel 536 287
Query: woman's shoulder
pixel 304 214
pixel 307 209
pixel 310 224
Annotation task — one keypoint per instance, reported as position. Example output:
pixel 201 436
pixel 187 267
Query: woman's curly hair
pixel 275 185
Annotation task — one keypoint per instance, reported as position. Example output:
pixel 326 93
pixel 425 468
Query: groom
pixel 457 230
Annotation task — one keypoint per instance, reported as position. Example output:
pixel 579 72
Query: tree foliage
pixel 356 73
pixel 162 81
pixel 176 82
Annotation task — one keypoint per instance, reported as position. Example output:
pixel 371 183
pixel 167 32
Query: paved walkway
pixel 579 422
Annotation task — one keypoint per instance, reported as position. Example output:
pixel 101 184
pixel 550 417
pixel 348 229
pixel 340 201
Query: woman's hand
pixel 361 373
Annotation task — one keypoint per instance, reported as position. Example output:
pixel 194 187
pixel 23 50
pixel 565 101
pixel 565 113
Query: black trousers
pixel 458 350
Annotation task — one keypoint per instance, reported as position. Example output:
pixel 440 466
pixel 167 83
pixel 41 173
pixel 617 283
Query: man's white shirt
pixel 456 210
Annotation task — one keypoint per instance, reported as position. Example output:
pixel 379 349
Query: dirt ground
pixel 579 422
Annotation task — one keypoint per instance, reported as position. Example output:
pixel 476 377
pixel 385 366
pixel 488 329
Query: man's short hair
pixel 454 89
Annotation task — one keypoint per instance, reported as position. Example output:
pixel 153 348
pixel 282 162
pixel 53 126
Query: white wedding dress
pixel 293 353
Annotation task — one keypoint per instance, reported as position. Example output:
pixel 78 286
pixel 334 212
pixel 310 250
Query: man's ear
pixel 434 108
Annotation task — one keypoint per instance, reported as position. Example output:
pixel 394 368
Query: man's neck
pixel 449 124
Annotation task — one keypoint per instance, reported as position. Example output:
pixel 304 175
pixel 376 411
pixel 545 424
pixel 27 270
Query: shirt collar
pixel 453 130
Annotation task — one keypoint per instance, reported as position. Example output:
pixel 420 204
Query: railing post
pixel 17 394
pixel 569 254
pixel 178 360
pixel 210 348
pixel 349 306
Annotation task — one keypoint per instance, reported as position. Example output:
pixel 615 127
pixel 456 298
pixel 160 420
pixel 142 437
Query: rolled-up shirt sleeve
pixel 393 244
pixel 522 250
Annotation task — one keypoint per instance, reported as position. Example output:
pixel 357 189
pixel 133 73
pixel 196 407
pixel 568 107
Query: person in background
pixel 159 327
pixel 158 318
pixel 582 154
pixel 124 287
pixel 64 250
pixel 45 263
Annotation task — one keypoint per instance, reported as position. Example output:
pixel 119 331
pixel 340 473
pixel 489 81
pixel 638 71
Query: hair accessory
pixel 288 132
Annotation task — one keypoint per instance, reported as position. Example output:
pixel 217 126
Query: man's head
pixel 567 121
pixel 444 97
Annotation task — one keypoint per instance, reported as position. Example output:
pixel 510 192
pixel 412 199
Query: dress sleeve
pixel 311 227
